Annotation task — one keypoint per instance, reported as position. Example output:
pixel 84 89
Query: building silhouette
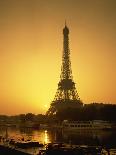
pixel 66 94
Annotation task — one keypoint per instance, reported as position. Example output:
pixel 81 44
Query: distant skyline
pixel 31 44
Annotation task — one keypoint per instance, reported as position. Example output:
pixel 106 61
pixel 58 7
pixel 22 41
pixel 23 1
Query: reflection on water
pixel 104 138
pixel 46 138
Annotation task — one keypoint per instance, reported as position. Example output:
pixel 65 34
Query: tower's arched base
pixel 61 105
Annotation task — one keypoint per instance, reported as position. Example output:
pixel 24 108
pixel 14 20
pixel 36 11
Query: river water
pixel 93 137
pixel 102 138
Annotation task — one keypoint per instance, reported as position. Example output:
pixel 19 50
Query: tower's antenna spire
pixel 65 22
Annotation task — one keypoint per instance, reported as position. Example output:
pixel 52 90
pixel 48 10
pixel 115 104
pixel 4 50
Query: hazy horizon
pixel 31 51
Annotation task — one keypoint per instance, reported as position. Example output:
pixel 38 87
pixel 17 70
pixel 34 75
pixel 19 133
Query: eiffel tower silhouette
pixel 66 94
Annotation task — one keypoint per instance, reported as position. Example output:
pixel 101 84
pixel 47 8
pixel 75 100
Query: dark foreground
pixel 10 151
pixel 61 149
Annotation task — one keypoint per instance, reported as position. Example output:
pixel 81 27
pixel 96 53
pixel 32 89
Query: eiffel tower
pixel 66 94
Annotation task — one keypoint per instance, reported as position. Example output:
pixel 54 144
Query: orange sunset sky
pixel 31 44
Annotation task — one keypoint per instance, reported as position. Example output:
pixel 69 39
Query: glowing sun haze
pixel 31 49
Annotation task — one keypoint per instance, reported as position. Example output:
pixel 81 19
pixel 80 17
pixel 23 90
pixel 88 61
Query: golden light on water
pixel 46 139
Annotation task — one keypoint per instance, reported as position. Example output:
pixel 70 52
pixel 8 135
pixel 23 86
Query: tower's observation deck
pixel 66 95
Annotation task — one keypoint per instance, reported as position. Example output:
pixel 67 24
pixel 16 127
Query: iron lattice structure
pixel 66 94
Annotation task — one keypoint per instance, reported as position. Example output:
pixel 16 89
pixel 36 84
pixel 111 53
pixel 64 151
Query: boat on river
pixel 86 125
pixel 25 144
